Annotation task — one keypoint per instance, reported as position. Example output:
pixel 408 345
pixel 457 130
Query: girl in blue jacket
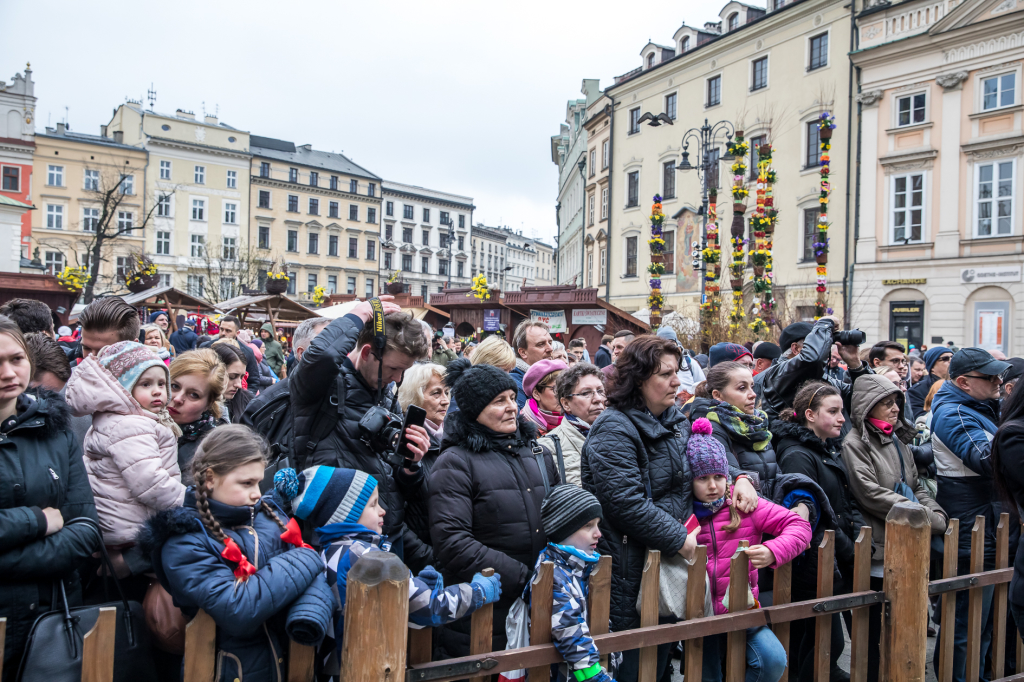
pixel 228 552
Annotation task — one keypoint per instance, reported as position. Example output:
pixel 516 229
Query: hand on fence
pixel 490 586
pixel 760 556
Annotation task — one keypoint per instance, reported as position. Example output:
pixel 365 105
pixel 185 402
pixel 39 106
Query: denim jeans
pixel 766 659
pixel 960 629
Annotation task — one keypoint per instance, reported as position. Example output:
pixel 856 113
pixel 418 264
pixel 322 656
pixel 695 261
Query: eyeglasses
pixel 898 362
pixel 888 403
pixel 990 378
pixel 587 395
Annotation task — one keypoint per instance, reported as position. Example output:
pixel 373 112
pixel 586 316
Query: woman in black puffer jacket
pixel 807 441
pixel 486 489
pixel 634 461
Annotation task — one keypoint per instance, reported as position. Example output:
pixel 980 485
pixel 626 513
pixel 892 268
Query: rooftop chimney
pixel 181 113
pixel 119 136
pixel 306 147
pixel 211 120
pixel 103 131
pixel 61 129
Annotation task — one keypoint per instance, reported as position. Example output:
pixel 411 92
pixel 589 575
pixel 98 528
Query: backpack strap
pixel 558 452
pixel 327 417
pixel 538 453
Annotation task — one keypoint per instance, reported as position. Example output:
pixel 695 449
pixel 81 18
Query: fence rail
pixel 378 646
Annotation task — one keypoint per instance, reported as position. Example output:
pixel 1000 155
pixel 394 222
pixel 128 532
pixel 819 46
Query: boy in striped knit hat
pixel 343 507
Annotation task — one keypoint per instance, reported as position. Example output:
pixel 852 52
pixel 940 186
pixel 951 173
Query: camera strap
pixel 380 342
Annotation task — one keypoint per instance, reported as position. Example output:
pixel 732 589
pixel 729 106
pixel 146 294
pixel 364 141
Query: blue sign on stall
pixel 492 320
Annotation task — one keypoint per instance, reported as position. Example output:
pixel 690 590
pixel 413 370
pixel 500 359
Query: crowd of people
pixel 225 475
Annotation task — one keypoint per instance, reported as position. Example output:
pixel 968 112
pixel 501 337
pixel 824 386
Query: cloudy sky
pixel 452 95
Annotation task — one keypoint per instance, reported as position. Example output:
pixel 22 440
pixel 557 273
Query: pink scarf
pixel 545 421
pixel 884 427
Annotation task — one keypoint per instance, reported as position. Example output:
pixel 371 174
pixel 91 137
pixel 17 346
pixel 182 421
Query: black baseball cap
pixel 968 360
pixel 1016 369
pixel 767 350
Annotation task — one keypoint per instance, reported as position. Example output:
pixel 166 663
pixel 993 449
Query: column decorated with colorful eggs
pixel 765 220
pixel 738 148
pixel 656 300
pixel 712 256
pixel 826 124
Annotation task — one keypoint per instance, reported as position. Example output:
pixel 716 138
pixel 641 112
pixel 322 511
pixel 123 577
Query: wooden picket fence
pixel 379 646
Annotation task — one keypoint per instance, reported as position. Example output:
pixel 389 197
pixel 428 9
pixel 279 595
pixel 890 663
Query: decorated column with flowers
pixel 826 124
pixel 738 148
pixel 764 219
pixel 712 254
pixel 656 300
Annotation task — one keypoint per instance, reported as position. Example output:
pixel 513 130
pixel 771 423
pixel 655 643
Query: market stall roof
pixel 165 297
pixel 262 307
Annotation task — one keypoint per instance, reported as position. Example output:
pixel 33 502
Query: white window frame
pixel 165 279
pixel 55 216
pixel 605 148
pixel 55 175
pixel 975 201
pixel 625 187
pixel 198 210
pixel 925 196
pixel 639 126
pixel 197 245
pixel 910 96
pixel 707 83
pixel 125 219
pixel 90 213
pixel 199 175
pixel 54 265
pixel 980 82
pixel 232 179
pixel 675 105
pixel 163 242
pixel 604 203
pixel 196 285
pixel 230 213
pixel 633 232
pixel 128 185
pixel 165 170
pixel 229 248
pixel 164 206
pixel 228 286
pixel 828 53
pixel 767 72
pixel 91 180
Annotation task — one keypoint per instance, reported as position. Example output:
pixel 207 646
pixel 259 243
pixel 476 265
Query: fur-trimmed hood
pixel 459 430
pixel 164 525
pixel 38 402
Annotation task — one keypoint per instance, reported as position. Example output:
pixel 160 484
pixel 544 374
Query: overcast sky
pixel 456 96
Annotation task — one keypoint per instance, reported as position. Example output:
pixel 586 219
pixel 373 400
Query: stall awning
pixel 265 307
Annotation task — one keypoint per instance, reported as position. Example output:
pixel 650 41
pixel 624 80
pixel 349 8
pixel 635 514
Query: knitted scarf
pixel 581 426
pixel 703 510
pixel 544 420
pixel 193 430
pixel 749 428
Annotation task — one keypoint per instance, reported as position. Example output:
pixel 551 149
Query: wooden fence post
pixel 301 661
pixel 376 614
pixel 481 629
pixel 200 649
pixel 599 601
pixel 974 600
pixel 540 614
pixel 947 618
pixel 649 586
pixel 421 646
pixel 999 599
pixel 736 641
pixel 907 547
pixel 696 584
pixel 3 638
pixel 823 623
pixel 860 617
pixel 98 648
pixel 782 593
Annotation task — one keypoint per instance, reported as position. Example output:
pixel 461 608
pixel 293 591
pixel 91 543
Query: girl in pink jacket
pixel 722 527
pixel 131 450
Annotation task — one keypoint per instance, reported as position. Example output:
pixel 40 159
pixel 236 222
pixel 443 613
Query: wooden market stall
pixel 413 305
pixel 173 300
pixel 43 288
pixel 278 309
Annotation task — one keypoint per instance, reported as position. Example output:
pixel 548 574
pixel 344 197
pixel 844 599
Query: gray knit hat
pixel 566 510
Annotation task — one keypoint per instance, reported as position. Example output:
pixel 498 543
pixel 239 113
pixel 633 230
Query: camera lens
pixel 850 337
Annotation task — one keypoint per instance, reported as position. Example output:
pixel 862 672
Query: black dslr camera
pixel 848 337
pixel 380 429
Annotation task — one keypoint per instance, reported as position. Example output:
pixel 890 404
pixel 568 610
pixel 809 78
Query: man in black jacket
pixel 936 363
pixel 185 338
pixel 340 371
pixel 603 356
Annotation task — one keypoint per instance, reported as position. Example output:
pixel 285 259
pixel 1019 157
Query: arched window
pixel 734 21
pixel 650 60
pixel 685 45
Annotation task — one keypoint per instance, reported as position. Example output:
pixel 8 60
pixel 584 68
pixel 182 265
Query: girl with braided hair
pixel 237 556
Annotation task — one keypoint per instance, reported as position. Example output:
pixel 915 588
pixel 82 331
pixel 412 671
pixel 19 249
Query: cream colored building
pixel 198 172
pixel 545 264
pixel 940 247
pixel 317 215
pixel 769 73
pixel 72 172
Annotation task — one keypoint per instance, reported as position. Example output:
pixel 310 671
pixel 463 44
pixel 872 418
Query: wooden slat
pixel 301 660
pixel 481 628
pixel 782 593
pixel 540 615
pixel 999 598
pixel 736 643
pixel 823 624
pixel 200 649
pixel 1020 652
pixel 860 617
pixel 695 587
pixel 98 648
pixel 947 617
pixel 376 619
pixel 649 586
pixel 421 645
pixel 599 600
pixel 3 639
pixel 907 547
pixel 974 601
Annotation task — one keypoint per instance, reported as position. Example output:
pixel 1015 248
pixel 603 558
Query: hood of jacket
pixel 867 392
pixel 268 327
pixel 651 427
pixel 93 389
pixel 41 407
pixel 953 394
pixel 475 437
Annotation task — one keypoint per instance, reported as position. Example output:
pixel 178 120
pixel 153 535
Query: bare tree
pixel 228 268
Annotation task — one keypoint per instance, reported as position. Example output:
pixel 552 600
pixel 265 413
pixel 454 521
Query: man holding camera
pixel 444 350
pixel 341 372
pixel 807 351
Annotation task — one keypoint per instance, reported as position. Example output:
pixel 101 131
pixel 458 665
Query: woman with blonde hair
pixel 198 380
pixel 494 350
pixel 424 386
pixel 153 336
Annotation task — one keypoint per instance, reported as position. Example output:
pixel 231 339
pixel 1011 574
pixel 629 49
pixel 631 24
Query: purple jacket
pixel 791 537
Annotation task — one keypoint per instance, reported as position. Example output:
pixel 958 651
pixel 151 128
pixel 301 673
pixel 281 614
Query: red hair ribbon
pixel 292 535
pixel 234 554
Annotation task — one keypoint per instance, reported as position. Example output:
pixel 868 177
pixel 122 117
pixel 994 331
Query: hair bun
pixel 456 368
pixel 700 426
pixel 286 482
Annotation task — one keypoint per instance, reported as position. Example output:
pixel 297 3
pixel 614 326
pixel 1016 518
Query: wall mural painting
pixel 688 230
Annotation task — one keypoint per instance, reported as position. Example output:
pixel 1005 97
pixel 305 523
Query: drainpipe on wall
pixel 848 274
pixel 610 109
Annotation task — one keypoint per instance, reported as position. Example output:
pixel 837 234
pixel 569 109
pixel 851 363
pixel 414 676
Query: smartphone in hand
pixel 414 416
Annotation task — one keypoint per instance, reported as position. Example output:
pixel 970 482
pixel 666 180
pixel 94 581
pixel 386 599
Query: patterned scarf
pixel 581 426
pixel 750 428
pixel 544 420
pixel 703 510
pixel 193 430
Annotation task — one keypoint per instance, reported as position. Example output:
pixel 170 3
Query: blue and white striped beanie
pixel 323 495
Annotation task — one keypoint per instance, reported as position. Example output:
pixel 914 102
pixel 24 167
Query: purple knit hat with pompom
pixel 706 454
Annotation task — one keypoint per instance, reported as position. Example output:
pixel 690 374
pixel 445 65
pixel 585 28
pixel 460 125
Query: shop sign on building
pixel 593 316
pixel 999 273
pixel 555 319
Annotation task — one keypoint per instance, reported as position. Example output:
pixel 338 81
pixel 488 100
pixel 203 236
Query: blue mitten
pixel 432 579
pixel 486 590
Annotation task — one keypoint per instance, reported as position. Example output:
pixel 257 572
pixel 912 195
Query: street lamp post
pixel 451 240
pixel 706 138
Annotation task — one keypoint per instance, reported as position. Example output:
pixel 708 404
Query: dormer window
pixel 650 60
pixel 685 45
pixel 734 21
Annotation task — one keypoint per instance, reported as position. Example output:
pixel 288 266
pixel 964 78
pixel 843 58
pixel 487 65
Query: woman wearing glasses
pixel 882 473
pixel 580 392
pixel 542 408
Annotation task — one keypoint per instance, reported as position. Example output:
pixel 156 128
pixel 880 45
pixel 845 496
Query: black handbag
pixel 53 652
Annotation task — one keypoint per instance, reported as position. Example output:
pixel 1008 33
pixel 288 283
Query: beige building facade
pixel 771 74
pixel 940 238
pixel 317 216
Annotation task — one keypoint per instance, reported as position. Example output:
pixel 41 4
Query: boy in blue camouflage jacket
pixel 570 517
pixel 343 507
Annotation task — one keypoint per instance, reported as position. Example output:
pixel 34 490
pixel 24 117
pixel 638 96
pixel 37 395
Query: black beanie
pixel 567 509
pixel 475 386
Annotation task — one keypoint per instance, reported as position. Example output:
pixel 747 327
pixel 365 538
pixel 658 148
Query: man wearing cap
pixel 730 352
pixel 806 351
pixel 185 338
pixel 965 415
pixel 765 355
pixel 1010 376
pixel 936 363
